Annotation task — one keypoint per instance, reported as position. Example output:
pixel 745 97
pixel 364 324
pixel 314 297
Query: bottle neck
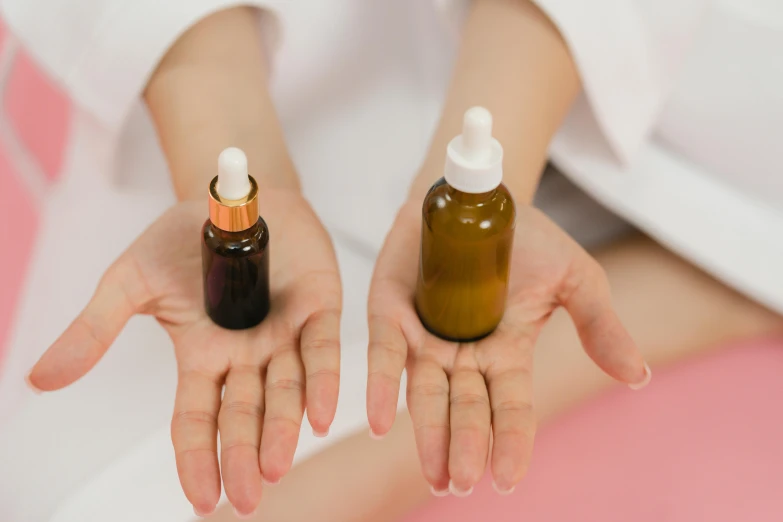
pixel 466 198
pixel 233 215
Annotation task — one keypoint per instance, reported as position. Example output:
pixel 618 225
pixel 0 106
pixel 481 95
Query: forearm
pixel 210 92
pixel 514 62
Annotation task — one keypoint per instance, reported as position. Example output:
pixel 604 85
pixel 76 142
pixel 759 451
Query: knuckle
pixel 242 409
pixel 514 375
pixel 327 373
pixel 321 344
pixel 180 454
pixel 386 375
pixel 513 406
pixel 93 330
pixel 233 446
pixel 187 417
pixel 193 427
pixel 126 275
pixel 388 349
pixel 442 426
pixel 284 421
pixel 429 390
pixel 469 400
pixel 116 273
pixel 284 385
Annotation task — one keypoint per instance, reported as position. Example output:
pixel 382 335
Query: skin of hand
pixel 208 93
pixel 472 403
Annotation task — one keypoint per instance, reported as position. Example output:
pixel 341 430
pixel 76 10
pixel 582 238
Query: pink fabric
pixel 18 225
pixel 39 113
pixel 704 442
pixel 2 35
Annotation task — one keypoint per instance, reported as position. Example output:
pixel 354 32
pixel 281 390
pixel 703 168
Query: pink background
pixel 38 115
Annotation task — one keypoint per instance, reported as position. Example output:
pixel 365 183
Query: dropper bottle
pixel 235 247
pixel 468 219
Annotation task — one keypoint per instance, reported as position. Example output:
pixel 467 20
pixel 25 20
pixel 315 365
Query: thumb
pixel 119 295
pixel 587 298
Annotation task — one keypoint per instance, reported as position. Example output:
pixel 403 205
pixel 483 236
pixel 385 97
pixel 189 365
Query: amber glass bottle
pixel 466 239
pixel 235 248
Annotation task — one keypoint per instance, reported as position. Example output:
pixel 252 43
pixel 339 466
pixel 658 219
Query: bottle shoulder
pixel 236 244
pixel 471 216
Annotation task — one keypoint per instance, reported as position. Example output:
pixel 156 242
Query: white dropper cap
pixel 233 181
pixel 474 160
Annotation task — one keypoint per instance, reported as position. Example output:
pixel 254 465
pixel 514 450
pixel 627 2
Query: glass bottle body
pixel 236 275
pixel 466 242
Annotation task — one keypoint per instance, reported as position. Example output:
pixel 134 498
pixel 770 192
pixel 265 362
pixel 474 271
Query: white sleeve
pixel 628 53
pixel 104 51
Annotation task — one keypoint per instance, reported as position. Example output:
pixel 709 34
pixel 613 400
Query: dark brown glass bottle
pixel 467 232
pixel 235 247
pixel 466 242
pixel 236 275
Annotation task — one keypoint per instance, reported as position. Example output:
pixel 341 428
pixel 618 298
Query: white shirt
pixel 678 132
pixel 697 83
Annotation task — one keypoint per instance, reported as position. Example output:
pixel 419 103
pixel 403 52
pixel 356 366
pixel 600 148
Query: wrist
pixel 210 92
pixel 193 162
pixel 514 62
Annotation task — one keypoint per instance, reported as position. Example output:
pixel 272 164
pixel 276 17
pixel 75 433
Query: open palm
pixel 467 397
pixel 270 372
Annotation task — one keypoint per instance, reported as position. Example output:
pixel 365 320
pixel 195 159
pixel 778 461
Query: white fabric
pixel 678 132
pixel 104 51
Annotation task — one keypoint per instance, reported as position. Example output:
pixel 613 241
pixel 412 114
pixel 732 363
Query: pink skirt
pixel 704 442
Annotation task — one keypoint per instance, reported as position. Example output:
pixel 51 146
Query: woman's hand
pixel 467 399
pixel 270 372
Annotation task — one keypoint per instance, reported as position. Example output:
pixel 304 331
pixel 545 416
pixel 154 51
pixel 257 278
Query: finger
pixel 320 345
pixel 389 307
pixel 240 422
pixel 194 434
pixel 119 295
pixel 513 424
pixel 395 263
pixel 283 415
pixel 386 357
pixel 470 421
pixel 428 402
pixel 587 298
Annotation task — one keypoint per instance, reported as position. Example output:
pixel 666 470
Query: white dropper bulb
pixel 477 134
pixel 233 181
pixel 474 159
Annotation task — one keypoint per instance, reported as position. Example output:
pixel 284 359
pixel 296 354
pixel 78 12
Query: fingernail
pixel 502 491
pixel 457 492
pixel 644 382
pixel 321 434
pixel 375 436
pixel 30 384
pixel 201 514
pixel 439 492
pixel 247 516
pixel 269 482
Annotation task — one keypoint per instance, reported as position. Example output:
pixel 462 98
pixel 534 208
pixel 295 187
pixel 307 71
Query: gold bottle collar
pixel 233 215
